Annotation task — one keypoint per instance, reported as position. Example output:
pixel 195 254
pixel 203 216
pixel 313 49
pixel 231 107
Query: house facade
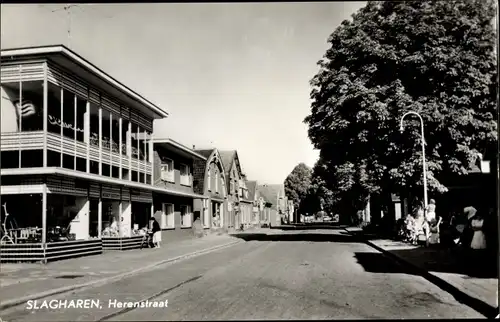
pixel 273 195
pixel 240 206
pixel 210 180
pixel 257 202
pixel 76 153
pixel 174 205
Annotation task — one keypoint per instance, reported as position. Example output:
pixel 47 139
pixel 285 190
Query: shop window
pixel 68 161
pixel 9 159
pixel 94 167
pixel 115 172
pixel 106 170
pixel 22 106
pixel 186 216
pixel 185 174
pixel 168 216
pixel 167 170
pixel 81 164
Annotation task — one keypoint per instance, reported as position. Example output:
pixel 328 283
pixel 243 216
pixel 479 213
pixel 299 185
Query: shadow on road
pixel 310 226
pixel 298 237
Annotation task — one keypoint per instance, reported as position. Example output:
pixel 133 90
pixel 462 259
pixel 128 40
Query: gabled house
pixel 210 180
pixel 257 202
pixel 239 204
pixel 274 197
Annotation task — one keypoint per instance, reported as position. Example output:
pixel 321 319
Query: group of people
pixel 153 230
pixel 425 227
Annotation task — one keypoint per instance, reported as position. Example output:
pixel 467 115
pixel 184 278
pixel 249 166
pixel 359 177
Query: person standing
pixel 156 230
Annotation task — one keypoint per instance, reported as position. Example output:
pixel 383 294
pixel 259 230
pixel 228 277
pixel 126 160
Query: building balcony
pixel 24 141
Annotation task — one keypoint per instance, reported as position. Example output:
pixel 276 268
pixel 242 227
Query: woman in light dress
pixel 156 230
pixel 478 238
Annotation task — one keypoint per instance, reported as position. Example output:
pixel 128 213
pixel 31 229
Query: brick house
pixel 174 209
pixel 209 179
pixel 240 206
pixel 273 196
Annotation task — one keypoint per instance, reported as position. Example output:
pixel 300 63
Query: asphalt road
pixel 296 275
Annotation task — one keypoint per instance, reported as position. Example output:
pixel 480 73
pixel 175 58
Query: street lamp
pixel 401 128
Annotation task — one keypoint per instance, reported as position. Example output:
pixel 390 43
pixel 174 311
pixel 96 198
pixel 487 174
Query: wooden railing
pixel 15 141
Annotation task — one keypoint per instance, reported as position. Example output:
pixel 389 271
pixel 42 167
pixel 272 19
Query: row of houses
pixel 79 158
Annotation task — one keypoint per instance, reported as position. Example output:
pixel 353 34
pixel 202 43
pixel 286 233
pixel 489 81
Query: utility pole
pixel 68 12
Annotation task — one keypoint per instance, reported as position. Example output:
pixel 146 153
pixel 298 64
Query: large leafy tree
pixel 433 57
pixel 297 183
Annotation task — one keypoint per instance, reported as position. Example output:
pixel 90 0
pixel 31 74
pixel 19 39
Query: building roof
pixel 178 146
pixel 227 158
pixel 270 193
pixel 252 188
pixel 205 153
pixel 74 58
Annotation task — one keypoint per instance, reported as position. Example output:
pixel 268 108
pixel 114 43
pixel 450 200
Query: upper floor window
pixel 185 175
pixel 167 170
pixel 245 194
pixel 209 178
pixel 22 106
pixel 216 181
pixel 231 187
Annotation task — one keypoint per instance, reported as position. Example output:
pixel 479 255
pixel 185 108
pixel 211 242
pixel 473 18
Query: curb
pixel 461 296
pixel 11 303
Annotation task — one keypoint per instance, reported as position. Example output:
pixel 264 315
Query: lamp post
pixel 401 128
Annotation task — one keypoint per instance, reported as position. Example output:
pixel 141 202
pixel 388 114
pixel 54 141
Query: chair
pixel 24 234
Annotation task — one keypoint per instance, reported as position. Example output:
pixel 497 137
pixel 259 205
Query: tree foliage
pixel 433 57
pixel 297 184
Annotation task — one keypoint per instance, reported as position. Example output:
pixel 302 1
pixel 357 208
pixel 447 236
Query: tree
pixel 297 184
pixel 433 57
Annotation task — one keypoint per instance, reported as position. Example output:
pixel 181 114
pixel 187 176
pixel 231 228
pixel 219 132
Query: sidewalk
pixel 24 281
pixel 445 265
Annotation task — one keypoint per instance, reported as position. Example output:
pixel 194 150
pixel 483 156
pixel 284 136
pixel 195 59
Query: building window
pixel 185 175
pixel 216 181
pixel 231 187
pixel 186 216
pixel 167 216
pixel 209 178
pixel 22 106
pixel 167 170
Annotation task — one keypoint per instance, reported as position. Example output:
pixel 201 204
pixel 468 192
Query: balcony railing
pixel 15 141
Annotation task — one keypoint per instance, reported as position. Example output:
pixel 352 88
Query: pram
pixel 147 240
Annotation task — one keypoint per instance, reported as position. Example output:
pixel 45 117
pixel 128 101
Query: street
pixel 313 274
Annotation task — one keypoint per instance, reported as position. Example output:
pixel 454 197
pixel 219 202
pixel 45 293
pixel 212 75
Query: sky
pixel 234 76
